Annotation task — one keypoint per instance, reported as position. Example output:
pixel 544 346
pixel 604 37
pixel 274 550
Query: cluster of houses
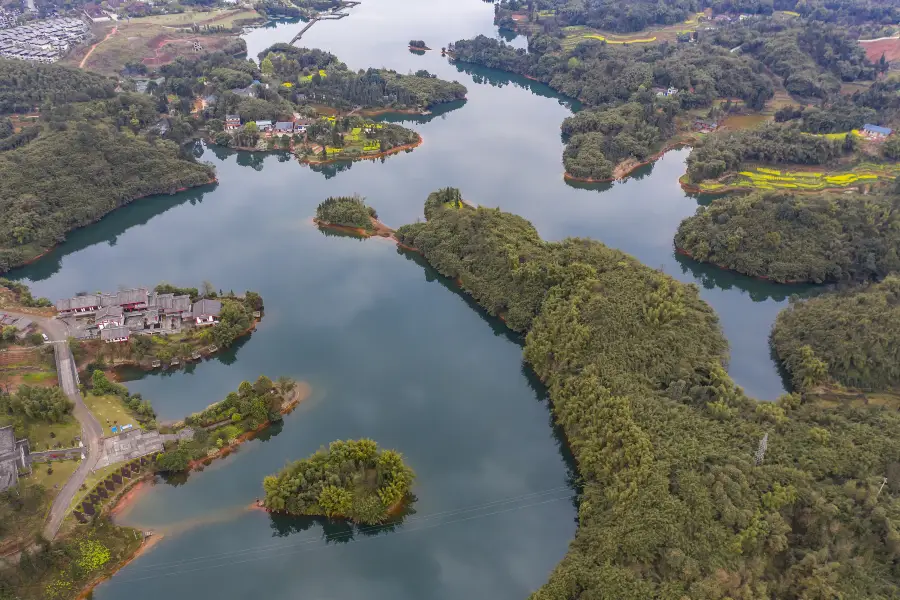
pixel 272 128
pixel 8 18
pixel 22 325
pixel 875 133
pixel 116 317
pixel 42 41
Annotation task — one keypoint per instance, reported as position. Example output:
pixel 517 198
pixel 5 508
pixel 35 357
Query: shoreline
pixel 301 393
pixel 130 362
pixel 621 172
pixel 765 278
pixel 147 543
pixel 141 485
pixel 50 249
pixel 382 154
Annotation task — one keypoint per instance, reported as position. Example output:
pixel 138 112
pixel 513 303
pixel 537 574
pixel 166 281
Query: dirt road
pixel 91 51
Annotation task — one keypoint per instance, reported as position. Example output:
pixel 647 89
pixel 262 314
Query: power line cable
pixel 415 519
pixel 292 549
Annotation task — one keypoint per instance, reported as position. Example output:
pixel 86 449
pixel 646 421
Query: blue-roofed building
pixel 876 132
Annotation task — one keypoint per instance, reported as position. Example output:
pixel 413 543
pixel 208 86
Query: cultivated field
pixel 213 18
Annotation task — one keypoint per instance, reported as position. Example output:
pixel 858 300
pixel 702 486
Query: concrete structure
pixel 42 41
pixel 135 443
pixel 232 122
pixel 13 457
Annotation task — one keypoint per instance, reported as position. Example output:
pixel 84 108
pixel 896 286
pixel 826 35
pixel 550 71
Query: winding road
pixel 91 432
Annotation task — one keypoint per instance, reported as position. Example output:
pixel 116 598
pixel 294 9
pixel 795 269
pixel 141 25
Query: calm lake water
pixel 392 351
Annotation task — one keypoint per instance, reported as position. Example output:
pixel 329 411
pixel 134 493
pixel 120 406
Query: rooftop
pixel 877 129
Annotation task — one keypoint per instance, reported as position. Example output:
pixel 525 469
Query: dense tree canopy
pixel 812 59
pixel 674 503
pixel 71 178
pixel 352 479
pixel 349 211
pixel 716 155
pixel 320 76
pixel 627 119
pixel 25 85
pixel 788 237
pixel 49 405
pixel 851 338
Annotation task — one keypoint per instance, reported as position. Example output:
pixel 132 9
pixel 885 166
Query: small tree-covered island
pixel 347 211
pixel 350 479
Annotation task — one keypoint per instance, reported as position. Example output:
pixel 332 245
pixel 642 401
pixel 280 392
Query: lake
pixel 392 350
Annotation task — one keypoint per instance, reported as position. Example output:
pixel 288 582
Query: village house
pixel 232 122
pixel 206 311
pixel 13 457
pixel 115 334
pixel 284 128
pixel 22 325
pixel 705 126
pixel 876 132
pixel 665 92
pixel 95 14
pixel 264 126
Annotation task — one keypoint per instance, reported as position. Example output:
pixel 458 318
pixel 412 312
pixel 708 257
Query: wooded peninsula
pixel 673 455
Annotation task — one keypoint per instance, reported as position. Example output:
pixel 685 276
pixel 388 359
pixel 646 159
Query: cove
pixel 392 350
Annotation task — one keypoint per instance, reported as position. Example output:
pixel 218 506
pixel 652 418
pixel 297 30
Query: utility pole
pixel 761 451
pixel 881 488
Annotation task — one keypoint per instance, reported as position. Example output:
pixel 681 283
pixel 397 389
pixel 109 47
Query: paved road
pixel 91 432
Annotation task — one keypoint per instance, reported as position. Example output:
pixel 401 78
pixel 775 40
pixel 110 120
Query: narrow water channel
pixel 392 351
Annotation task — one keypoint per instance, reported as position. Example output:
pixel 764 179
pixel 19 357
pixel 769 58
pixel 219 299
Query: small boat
pixel 195 356
pixel 213 348
pixel 156 364
pixel 175 362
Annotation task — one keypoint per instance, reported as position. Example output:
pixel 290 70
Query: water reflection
pixel 107 231
pixel 711 277
pixel 483 75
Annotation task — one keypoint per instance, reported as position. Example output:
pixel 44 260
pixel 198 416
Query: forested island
pixel 633 360
pixel 848 339
pixel 350 479
pixel 96 144
pixel 418 45
pixel 787 237
pixel 346 211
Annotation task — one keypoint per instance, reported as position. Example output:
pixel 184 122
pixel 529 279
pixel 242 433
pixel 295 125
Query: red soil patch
pixel 889 47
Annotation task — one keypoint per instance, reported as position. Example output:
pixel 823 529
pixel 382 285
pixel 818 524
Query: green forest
pixel 850 338
pixel 26 86
pixel 349 211
pixel 625 118
pixel 677 502
pixel 350 479
pixel 319 76
pixel 99 147
pixel 637 15
pixel 797 238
